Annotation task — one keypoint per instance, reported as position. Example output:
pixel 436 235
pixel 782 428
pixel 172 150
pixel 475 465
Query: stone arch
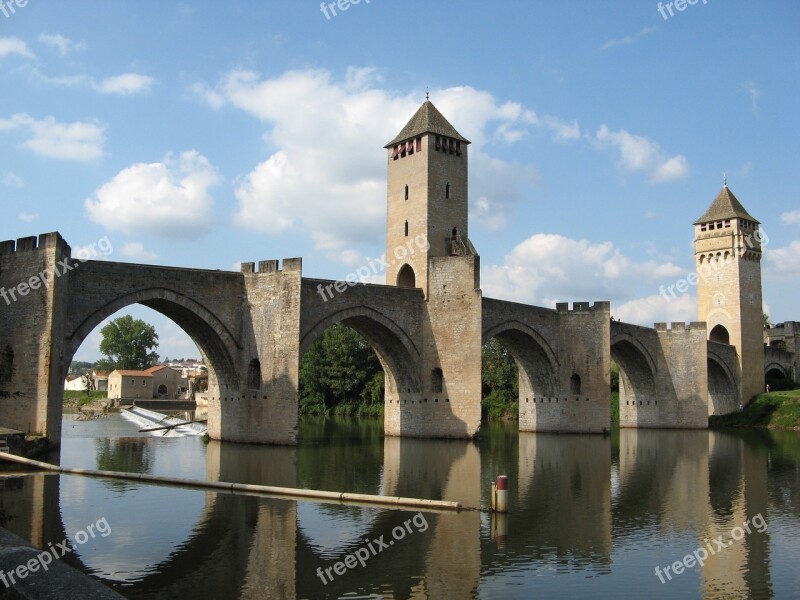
pixel 254 374
pixel 575 384
pixel 637 376
pixel 776 370
pixel 723 396
pixel 396 352
pixel 536 361
pixel 719 334
pixel 216 343
pixel 778 377
pixel 406 277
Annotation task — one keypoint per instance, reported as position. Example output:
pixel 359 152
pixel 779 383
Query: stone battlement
pixel 290 265
pixel 563 307
pixel 43 242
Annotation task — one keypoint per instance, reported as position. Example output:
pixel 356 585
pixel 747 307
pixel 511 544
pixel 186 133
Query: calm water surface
pixel 590 517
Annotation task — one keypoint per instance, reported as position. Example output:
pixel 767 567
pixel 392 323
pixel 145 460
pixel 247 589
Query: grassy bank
pixel 78 398
pixel 778 410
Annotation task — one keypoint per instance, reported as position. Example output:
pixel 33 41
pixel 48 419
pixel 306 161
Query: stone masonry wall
pixel 683 377
pixel 31 315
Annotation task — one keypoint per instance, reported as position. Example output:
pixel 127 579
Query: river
pixel 589 516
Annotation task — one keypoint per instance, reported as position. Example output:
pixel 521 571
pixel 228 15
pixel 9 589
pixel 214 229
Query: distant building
pixel 166 382
pixel 132 385
pixel 159 382
pixel 74 383
pixel 100 380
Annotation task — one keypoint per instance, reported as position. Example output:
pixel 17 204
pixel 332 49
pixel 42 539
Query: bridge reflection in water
pixel 590 516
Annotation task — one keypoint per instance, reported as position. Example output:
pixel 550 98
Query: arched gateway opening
pixel 637 398
pixel 777 379
pixel 722 394
pixel 719 334
pixel 214 342
pixel 368 336
pixel 534 367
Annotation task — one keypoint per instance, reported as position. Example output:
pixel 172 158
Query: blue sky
pixel 201 134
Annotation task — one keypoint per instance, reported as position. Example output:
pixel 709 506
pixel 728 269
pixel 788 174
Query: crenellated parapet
pixel 290 265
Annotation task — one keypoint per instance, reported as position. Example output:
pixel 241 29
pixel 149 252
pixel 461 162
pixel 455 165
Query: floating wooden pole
pixel 283 492
pixel 171 426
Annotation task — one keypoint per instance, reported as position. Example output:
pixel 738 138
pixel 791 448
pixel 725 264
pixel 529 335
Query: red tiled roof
pixel 127 373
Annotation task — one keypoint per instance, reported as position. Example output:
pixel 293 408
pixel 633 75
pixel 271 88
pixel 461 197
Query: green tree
pixel 499 379
pixel 499 370
pixel 128 343
pixel 340 374
pixel 766 321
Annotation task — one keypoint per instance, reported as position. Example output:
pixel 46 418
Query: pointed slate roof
pixel 427 119
pixel 725 206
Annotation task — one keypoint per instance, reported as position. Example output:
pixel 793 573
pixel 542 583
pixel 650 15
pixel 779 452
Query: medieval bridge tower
pixel 427 324
pixel 727 247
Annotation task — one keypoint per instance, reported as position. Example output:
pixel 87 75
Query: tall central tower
pixel 727 250
pixel 427 248
pixel 427 197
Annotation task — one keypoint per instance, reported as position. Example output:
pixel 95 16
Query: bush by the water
pixel 772 409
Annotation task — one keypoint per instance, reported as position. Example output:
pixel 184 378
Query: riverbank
pixel 773 410
pixel 76 400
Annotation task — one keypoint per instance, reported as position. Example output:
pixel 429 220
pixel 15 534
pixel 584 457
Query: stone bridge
pixel 253 327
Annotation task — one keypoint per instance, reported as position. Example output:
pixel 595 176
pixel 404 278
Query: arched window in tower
pixel 254 374
pixel 719 334
pixel 575 384
pixel 406 229
pixel 406 194
pixel 437 381
pixel 406 277
pixel 447 191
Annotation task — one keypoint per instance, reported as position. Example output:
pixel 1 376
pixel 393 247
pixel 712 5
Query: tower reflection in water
pixel 586 513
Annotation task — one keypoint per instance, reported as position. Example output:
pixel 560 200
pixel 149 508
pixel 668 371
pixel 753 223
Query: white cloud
pixel 125 85
pixel 325 174
pixel 210 96
pixel 640 154
pixel 28 217
pixel 628 39
pixel 562 131
pixel 170 197
pixel 136 250
pixel 791 218
pixel 783 263
pixel 657 309
pixel 13 180
pixel 670 170
pixel 754 93
pixel 81 140
pixel 546 267
pixel 12 45
pixel 62 44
